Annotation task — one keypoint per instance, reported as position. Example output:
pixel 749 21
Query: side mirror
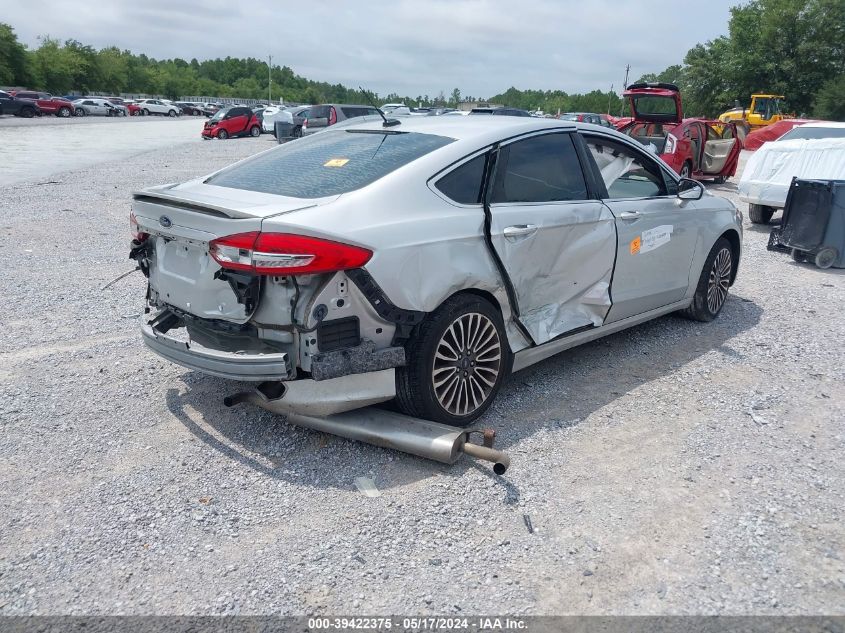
pixel 689 189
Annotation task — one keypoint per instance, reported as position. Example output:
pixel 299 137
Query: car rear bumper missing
pixel 257 367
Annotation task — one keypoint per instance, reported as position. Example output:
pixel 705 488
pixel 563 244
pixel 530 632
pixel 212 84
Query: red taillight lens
pixel 137 233
pixel 285 254
pixel 332 116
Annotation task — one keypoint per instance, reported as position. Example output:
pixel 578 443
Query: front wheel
pixel 712 289
pixel 686 170
pixel 760 214
pixel 64 112
pixel 720 180
pixel 80 112
pixel 222 135
pixel 826 257
pixel 27 113
pixel 145 112
pixel 171 113
pixel 456 361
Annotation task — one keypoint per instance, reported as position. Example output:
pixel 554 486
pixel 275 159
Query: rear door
pixel 556 245
pixel 237 120
pixel 656 237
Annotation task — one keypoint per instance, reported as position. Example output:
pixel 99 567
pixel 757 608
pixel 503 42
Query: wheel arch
pixel 736 247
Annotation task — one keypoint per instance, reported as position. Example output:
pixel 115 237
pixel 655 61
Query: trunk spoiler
pixel 182 201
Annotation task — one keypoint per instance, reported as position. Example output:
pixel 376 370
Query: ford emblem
pixel 165 222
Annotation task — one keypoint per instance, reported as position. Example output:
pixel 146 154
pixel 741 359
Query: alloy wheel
pixel 467 363
pixel 719 281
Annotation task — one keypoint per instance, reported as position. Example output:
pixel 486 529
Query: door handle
pixel 630 215
pixel 520 230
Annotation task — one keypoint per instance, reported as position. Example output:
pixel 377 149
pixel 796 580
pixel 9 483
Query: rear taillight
pixel 285 254
pixel 332 116
pixel 671 144
pixel 137 234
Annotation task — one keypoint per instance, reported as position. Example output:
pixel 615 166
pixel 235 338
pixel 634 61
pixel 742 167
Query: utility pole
pixel 609 95
pixel 270 79
pixel 625 87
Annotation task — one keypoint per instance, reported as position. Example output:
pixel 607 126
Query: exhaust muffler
pixel 432 440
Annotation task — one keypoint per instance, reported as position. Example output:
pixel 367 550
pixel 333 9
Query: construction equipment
pixel 765 109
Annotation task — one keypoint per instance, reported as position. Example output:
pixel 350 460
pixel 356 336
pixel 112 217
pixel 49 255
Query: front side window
pixel 539 169
pixel 626 173
pixel 463 184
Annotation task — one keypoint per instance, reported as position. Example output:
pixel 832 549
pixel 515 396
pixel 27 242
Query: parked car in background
pixel 327 114
pixel 97 107
pixel 47 103
pixel 773 132
pixel 158 106
pixel 694 148
pixel 294 115
pixel 232 122
pixel 132 108
pixel 811 151
pixel 10 104
pixel 190 108
pixel 293 270
pixel 588 117
pixel 501 111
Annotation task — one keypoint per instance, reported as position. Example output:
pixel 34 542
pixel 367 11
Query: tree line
pixel 791 47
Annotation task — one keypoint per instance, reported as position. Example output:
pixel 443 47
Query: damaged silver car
pixel 423 261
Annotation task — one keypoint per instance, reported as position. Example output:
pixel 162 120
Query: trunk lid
pixel 655 102
pixel 181 221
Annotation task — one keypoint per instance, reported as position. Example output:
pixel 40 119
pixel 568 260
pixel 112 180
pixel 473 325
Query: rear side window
pixel 329 163
pixel 319 112
pixel 539 169
pixel 463 185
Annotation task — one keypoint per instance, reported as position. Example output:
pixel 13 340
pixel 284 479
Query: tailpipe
pixel 423 438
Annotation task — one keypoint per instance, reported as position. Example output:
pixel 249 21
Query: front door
pixel 656 237
pixel 556 245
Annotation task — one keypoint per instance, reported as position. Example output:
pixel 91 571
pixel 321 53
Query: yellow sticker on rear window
pixel 636 243
pixel 336 162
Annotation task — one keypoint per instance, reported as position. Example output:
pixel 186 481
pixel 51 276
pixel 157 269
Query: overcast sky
pixel 410 47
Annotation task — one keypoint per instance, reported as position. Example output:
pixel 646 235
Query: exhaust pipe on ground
pixel 423 438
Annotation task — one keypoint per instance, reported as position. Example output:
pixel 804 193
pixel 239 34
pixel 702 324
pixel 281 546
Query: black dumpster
pixel 813 226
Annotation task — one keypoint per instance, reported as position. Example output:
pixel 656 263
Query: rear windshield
pixel 813 132
pixel 652 104
pixel 329 163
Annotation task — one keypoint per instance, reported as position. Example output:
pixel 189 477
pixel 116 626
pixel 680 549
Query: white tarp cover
pixel 770 169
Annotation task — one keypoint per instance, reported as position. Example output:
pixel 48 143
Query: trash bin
pixel 813 225
pixel 283 131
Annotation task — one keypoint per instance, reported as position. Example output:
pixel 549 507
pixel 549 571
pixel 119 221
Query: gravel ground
pixel 675 468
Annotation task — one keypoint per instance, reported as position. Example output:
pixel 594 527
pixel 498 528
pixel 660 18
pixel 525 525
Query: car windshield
pixel 804 132
pixel 219 115
pixel 329 163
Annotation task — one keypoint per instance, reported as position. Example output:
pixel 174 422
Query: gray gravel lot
pixel 674 468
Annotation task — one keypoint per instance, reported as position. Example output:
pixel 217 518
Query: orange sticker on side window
pixel 635 245
pixel 336 162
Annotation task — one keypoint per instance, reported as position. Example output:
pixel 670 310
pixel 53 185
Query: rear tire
pixel 80 112
pixel 171 113
pixel 27 113
pixel 720 180
pixel 686 170
pixel 457 360
pixel 711 293
pixel 64 112
pixel 222 135
pixel 760 214
pixel 255 131
pixel 798 256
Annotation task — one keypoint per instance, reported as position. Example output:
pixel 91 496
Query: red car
pixel 234 121
pixel 694 148
pixel 47 102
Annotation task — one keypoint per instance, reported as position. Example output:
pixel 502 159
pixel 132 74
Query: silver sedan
pixel 422 261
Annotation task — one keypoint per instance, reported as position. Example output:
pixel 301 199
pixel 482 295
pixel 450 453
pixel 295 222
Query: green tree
pixel 830 100
pixel 455 99
pixel 14 70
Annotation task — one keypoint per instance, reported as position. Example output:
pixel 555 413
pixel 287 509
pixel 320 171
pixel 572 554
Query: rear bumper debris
pixel 257 367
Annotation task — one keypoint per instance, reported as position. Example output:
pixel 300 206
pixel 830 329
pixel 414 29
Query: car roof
pixel 483 129
pixel 830 124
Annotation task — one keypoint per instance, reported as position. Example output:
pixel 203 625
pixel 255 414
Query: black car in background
pixel 190 108
pixel 501 111
pixel 26 108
